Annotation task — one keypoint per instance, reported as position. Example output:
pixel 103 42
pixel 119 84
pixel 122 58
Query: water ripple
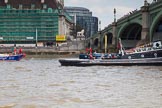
pixel 43 83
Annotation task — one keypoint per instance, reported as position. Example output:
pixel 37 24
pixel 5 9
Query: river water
pixel 43 83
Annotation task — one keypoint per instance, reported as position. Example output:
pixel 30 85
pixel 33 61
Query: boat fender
pixel 129 57
pixel 142 56
pixel 155 54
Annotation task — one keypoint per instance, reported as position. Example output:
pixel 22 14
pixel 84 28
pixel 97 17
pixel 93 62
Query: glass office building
pixel 83 17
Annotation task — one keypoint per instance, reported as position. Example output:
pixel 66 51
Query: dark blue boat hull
pixel 12 57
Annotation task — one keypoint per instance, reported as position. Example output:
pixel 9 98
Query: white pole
pixel 75 19
pixel 75 29
pixel 105 43
pixel 36 38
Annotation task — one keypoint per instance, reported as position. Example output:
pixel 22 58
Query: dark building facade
pixel 27 4
pixel 84 19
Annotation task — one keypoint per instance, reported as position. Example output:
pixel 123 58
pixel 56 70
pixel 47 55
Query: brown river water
pixel 43 83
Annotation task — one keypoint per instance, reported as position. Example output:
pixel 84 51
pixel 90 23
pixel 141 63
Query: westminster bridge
pixel 137 27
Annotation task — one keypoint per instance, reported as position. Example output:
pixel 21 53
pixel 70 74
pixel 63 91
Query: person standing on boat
pixel 91 56
pixel 90 50
pixel 90 53
pixel 95 52
pixel 15 51
pixel 20 50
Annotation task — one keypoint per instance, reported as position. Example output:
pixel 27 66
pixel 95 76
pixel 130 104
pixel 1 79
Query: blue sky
pixel 103 9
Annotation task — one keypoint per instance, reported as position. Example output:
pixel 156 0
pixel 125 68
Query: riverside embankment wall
pixel 43 52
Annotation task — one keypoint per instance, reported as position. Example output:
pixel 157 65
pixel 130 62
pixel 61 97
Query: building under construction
pixel 31 21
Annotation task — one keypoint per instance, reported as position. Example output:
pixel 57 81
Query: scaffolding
pixel 20 25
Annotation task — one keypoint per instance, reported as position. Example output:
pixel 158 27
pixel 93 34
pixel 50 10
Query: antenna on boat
pixel 121 48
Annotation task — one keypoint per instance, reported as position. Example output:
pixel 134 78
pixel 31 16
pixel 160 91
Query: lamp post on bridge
pixel 114 26
pixel 114 15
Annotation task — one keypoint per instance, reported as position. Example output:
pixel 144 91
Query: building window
pixel 42 1
pixel 44 6
pixel 6 1
pixel 32 6
pixel 8 6
pixel 20 6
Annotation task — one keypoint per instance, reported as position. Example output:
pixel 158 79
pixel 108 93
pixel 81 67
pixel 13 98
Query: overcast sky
pixel 103 9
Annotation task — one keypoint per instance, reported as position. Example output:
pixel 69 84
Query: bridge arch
pixel 131 31
pixel 156 28
pixel 96 41
pixel 130 34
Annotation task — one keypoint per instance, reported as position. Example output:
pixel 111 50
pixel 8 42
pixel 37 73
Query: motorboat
pixel 145 55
